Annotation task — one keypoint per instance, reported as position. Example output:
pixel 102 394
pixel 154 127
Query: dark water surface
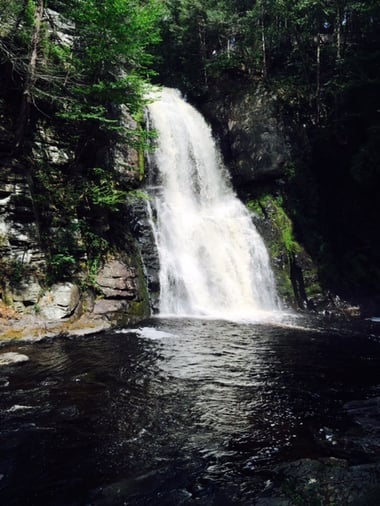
pixel 184 411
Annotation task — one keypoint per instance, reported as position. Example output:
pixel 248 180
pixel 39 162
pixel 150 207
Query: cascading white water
pixel 213 261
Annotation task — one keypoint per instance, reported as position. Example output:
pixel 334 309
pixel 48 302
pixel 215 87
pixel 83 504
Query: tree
pixel 109 60
pixel 112 50
pixel 30 76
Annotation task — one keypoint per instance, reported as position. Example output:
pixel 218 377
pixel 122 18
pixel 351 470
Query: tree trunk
pixel 30 77
pixel 338 34
pixel 318 80
pixel 202 46
pixel 263 42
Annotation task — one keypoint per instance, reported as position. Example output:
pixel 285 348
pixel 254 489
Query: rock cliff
pixel 261 146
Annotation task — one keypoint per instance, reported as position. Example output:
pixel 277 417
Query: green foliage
pixel 60 55
pixel 12 271
pixel 97 248
pixel 312 45
pixel 101 190
pixel 93 266
pixel 72 209
pixel 108 61
pixel 60 266
pixel 138 194
pixel 56 194
pixel 113 59
pixel 116 34
pixel 78 83
pixel 30 12
pixel 105 196
pixel 8 9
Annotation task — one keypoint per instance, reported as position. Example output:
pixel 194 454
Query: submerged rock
pixel 12 358
pixel 324 481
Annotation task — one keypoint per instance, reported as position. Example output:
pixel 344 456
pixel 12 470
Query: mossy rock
pixel 296 275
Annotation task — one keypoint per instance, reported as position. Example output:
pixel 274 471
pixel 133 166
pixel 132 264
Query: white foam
pixel 18 407
pixel 147 332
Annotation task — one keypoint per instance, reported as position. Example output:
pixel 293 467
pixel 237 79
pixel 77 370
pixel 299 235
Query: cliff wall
pixel 69 261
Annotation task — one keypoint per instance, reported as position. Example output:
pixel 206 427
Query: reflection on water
pixel 180 411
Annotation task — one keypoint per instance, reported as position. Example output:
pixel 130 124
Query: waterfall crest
pixel 213 261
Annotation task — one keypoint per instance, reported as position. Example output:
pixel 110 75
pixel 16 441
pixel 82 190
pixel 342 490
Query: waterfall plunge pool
pixel 190 411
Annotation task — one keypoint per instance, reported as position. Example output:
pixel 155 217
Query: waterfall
pixel 213 262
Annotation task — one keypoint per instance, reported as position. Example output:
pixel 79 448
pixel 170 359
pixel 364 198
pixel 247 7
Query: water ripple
pixel 180 411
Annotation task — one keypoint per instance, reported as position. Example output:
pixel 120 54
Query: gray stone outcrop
pixel 125 159
pixel 27 292
pixel 121 293
pixel 139 222
pixel 18 227
pixel 60 301
pixel 116 280
pixel 252 136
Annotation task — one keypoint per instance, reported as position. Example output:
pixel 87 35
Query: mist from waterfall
pixel 213 262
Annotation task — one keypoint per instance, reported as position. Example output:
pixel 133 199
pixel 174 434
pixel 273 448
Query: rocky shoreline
pixel 36 327
pixel 65 309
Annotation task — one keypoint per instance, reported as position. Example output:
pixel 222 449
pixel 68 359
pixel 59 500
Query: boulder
pixel 12 357
pixel 60 301
pixel 27 292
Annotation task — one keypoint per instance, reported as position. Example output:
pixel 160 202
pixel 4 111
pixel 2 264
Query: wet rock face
pixel 116 280
pixel 49 148
pixel 122 298
pixel 252 137
pixel 142 231
pixel 23 261
pixel 21 258
pixel 18 230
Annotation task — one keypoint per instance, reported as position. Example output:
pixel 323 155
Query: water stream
pixel 192 412
pixel 213 261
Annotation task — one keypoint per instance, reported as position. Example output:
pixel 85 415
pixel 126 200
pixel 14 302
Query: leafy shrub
pixel 60 266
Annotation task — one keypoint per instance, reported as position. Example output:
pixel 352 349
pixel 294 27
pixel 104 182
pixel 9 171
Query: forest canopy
pixel 93 54
pixel 313 50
